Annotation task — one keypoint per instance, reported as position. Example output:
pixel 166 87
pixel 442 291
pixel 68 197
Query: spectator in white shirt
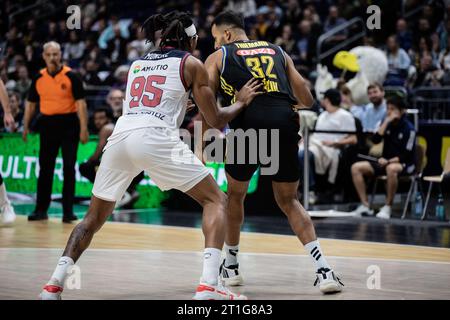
pixel 324 148
pixel 398 61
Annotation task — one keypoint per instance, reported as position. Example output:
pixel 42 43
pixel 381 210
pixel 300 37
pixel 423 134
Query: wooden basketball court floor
pixel 137 261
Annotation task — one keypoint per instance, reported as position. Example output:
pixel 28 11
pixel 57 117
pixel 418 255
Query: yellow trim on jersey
pixel 228 89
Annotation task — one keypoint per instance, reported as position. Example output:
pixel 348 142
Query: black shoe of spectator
pixel 69 218
pixel 36 216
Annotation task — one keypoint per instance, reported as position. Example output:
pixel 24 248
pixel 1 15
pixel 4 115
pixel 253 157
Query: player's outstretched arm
pixel 196 75
pixel 298 84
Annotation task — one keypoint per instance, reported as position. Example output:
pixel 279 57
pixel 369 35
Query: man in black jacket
pixel 399 138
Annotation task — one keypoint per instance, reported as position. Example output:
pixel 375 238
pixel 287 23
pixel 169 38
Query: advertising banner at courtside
pixel 19 166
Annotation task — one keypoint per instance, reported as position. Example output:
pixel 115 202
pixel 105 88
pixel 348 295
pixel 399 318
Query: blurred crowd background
pixel 414 35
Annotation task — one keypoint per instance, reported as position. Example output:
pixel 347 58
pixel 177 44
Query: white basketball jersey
pixel 156 95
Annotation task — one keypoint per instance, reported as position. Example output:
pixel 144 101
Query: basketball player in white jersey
pixel 7 213
pixel 146 138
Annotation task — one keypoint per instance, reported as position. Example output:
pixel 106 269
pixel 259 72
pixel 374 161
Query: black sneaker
pixel 36 216
pixel 230 275
pixel 69 218
pixel 328 282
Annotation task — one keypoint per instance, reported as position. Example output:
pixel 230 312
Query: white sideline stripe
pixel 246 253
pixel 266 234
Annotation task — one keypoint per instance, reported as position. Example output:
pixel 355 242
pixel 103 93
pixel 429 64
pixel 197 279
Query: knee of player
pixel 285 202
pixel 218 198
pixel 236 195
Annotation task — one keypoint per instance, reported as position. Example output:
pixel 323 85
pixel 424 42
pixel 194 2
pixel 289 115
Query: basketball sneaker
pixel 328 282
pixel 218 292
pixel 8 214
pixel 51 291
pixel 230 275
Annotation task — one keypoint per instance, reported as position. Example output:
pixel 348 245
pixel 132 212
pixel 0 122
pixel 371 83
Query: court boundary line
pixel 246 253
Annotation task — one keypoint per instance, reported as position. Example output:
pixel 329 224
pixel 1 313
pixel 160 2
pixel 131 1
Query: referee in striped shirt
pixel 63 123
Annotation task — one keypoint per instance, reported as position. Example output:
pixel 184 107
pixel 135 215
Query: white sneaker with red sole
pixel 51 291
pixel 217 292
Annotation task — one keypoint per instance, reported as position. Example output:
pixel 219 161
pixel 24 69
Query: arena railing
pixel 412 12
pixel 39 10
pixel 433 103
pixel 342 44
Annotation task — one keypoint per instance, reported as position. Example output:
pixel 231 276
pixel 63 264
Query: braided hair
pixel 172 27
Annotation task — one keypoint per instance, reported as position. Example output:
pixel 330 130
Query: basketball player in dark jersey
pixel 237 60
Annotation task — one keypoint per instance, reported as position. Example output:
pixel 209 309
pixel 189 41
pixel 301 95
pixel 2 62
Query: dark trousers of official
pixel 88 170
pixel 57 132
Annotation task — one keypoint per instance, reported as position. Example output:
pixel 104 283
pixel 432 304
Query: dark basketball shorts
pixel 276 127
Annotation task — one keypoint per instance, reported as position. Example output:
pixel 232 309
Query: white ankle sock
pixel 211 264
pixel 62 269
pixel 315 252
pixel 231 253
pixel 3 195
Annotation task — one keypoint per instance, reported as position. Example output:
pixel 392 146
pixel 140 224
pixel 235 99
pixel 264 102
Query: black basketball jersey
pixel 259 59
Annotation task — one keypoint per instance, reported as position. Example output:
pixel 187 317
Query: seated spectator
pixel 444 61
pixel 23 82
pixel 309 14
pixel 271 7
pixel 398 62
pixel 426 47
pixel 348 104
pixel 305 47
pixel 348 8
pixel 119 77
pixel 324 148
pixel 292 12
pixel 444 32
pixel 90 73
pixel 375 111
pixel 399 138
pixel 103 120
pixel 286 41
pixel 15 104
pixel 115 99
pixel 245 7
pixel 73 50
pixel 117 47
pixel 334 20
pixel 138 47
pixel 404 36
pixel 273 28
pixel 428 74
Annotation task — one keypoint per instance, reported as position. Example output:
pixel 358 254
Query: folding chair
pixel 413 179
pixel 435 179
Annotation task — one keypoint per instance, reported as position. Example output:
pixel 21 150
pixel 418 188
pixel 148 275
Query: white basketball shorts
pixel 158 151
